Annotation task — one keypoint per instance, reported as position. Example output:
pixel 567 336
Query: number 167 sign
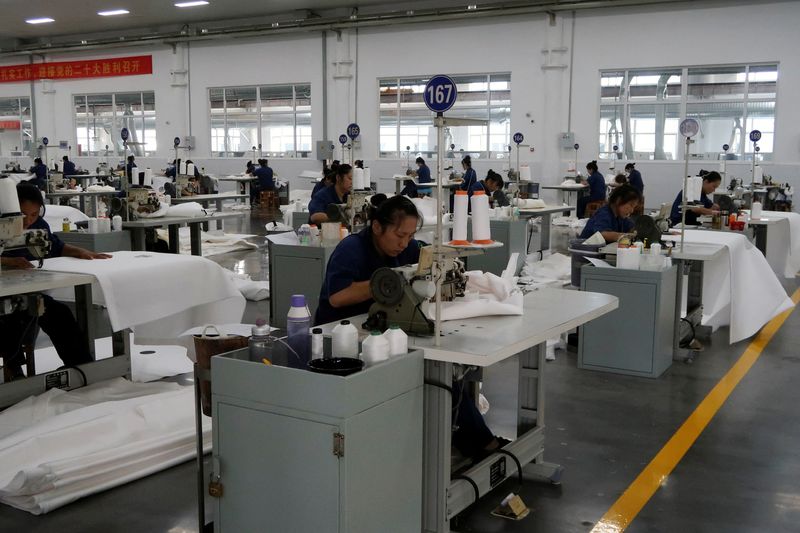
pixel 440 94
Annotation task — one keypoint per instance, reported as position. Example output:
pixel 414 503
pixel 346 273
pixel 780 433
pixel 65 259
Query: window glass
pixel 653 131
pixel 654 84
pixel 611 117
pixel 99 119
pixel 720 123
pixel 717 83
pixel 762 81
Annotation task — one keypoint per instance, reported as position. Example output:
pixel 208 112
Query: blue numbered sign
pixel 342 139
pixel 616 148
pixel 440 94
pixel 689 127
pixel 176 141
pixel 726 147
pixel 577 146
pixel 353 131
pixel 518 137
pixel 755 136
pixel 124 133
pixel 45 141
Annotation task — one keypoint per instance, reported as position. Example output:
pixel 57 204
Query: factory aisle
pixel 740 476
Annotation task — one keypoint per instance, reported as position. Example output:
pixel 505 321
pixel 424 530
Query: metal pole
pixel 198 417
pixel 752 172
pixel 437 238
pixel 685 186
pixel 519 174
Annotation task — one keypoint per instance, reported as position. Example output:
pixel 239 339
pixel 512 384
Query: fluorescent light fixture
pixel 41 20
pixel 192 3
pixel 472 7
pixel 113 12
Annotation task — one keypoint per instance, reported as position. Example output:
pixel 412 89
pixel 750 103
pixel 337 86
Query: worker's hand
pixel 87 254
pixel 17 262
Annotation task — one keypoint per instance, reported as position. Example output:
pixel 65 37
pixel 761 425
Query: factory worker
pixel 192 188
pixel 57 321
pixel 40 170
pixel 711 181
pixel 423 176
pixel 266 180
pixel 619 179
pixel 597 188
pixel 334 194
pixel 612 220
pixel 130 166
pixel 388 241
pixel 68 166
pixel 172 169
pixel 635 177
pixel 493 186
pixel 470 180
pixel 328 178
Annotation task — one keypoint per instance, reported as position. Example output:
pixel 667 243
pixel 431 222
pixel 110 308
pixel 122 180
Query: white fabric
pixel 144 288
pixel 255 291
pixel 496 296
pixel 100 188
pixel 54 215
pixel 163 209
pixel 214 243
pixel 597 238
pixel 61 446
pixel 189 209
pixel 791 262
pixel 278 226
pixel 572 184
pixel 739 288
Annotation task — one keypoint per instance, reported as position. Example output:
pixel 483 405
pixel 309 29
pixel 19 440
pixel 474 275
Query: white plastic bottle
pixel 298 322
pixel 398 340
pixel 375 348
pixel 345 340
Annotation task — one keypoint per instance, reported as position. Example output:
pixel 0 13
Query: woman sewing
pixel 333 194
pixel 469 182
pixel 612 220
pixel 711 181
pixel 597 188
pixel 388 241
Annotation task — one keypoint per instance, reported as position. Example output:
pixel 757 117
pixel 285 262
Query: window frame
pixel 685 100
pixel 260 112
pixel 22 120
pixel 114 148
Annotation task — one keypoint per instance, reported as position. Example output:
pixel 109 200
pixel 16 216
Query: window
pixel 275 118
pixel 406 125
pixel 99 119
pixel 15 127
pixel 640 111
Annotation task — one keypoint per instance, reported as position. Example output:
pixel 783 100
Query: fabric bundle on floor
pixel 255 291
pixel 214 243
pixel 64 445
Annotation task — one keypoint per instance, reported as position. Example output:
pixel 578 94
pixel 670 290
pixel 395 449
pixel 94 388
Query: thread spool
pixel 460 218
pixel 190 169
pixel 755 212
pixel 148 177
pixel 93 227
pixel 9 203
pixel 104 224
pixel 367 178
pixel 481 232
pixel 525 173
pixel 116 223
pixel 358 179
pixel 628 258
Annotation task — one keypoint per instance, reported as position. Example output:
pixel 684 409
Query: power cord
pixel 78 370
pixel 694 333
pixel 474 487
pixel 514 458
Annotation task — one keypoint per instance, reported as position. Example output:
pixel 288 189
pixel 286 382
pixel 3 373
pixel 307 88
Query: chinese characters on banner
pixel 71 70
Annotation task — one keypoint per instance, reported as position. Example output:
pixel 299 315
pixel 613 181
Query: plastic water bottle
pixel 317 344
pixel 345 340
pixel 260 343
pixel 375 348
pixel 398 340
pixel 304 235
pixel 298 322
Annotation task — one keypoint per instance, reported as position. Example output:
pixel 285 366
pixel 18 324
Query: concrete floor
pixel 740 476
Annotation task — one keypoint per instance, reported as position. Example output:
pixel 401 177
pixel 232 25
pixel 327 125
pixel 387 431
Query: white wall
pixel 618 38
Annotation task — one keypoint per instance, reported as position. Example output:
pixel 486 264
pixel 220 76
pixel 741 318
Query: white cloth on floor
pixel 255 291
pixel 60 446
pixel 160 294
pixel 496 296
pixel 740 289
pixel 214 243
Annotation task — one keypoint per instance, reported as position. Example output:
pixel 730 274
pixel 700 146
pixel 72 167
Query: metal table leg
pixel 82 203
pixel 83 308
pixel 138 239
pixel 436 447
pixel 761 232
pixel 174 238
pixel 194 236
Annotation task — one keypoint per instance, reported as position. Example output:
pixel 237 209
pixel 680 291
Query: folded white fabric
pixel 426 207
pixel 496 296
pixel 554 268
pixel 597 238
pixel 61 446
pixel 189 209
pixel 571 183
pixel 739 288
pixel 214 243
pixel 145 287
pixel 255 291
pixel 100 188
pixel 277 226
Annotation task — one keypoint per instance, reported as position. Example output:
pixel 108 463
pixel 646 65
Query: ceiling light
pixel 410 12
pixel 472 7
pixel 113 12
pixel 193 3
pixel 276 24
pixel 42 20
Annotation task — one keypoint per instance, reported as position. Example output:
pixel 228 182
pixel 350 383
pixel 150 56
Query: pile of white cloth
pixel 739 287
pixel 571 183
pixel 188 209
pixel 783 246
pixel 570 222
pixel 552 271
pixel 487 294
pixel 531 203
pixel 255 291
pixel 54 215
pixel 214 243
pixel 100 188
pixel 159 295
pixel 64 445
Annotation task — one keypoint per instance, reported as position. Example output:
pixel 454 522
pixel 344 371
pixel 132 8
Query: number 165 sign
pixel 440 94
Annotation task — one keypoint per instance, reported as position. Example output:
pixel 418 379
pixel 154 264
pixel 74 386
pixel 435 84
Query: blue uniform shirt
pixel 605 220
pixel 56 246
pixel 597 187
pixel 321 184
pixel 424 176
pixel 470 181
pixel 324 197
pixel 69 168
pixel 266 181
pixel 691 216
pixel 171 171
pixel 356 259
pixel 40 171
pixel 635 179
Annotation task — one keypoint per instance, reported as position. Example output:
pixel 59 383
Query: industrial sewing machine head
pixel 13 167
pixel 13 236
pixel 138 201
pixel 355 213
pixel 403 295
pixel 653 227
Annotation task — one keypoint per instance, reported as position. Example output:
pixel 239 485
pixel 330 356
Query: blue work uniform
pixel 356 259
pixel 57 320
pixel 411 190
pixel 266 180
pixel 424 176
pixel 40 171
pixel 691 216
pixel 323 198
pixel 171 171
pixel 635 179
pixel 605 220
pixel 470 182
pixel 597 187
pixel 69 168
pixel 321 184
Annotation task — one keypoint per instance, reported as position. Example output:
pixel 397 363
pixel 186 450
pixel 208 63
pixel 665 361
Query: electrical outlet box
pixel 567 140
pixel 188 142
pixel 324 150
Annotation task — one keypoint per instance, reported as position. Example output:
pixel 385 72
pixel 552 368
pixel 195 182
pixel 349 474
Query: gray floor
pixel 740 476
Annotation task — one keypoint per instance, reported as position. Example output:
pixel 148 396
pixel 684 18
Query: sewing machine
pixel 138 200
pixel 13 236
pixel 403 295
pixel 13 167
pixel 354 214
pixel 653 227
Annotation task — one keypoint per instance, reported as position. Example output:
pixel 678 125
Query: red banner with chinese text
pixel 9 124
pixel 73 70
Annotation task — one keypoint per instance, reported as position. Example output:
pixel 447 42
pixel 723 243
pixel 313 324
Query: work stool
pixel 592 207
pixel 269 199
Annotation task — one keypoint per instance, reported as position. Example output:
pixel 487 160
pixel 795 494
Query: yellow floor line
pixel 625 509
